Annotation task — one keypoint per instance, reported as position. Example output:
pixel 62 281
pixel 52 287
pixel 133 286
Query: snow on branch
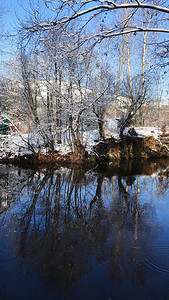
pixel 86 9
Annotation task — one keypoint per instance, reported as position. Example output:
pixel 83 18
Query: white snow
pixel 145 131
pixel 13 145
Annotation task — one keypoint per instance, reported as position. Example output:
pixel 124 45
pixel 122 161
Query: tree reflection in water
pixel 63 217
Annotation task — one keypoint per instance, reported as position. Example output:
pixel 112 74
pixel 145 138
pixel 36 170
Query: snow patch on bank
pixel 144 131
pixel 13 145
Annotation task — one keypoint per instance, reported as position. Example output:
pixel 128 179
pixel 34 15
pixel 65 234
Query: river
pixel 100 233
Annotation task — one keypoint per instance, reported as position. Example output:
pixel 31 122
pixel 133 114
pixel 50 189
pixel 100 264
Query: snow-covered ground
pixel 15 145
pixel 111 129
pixel 11 146
pixel 145 131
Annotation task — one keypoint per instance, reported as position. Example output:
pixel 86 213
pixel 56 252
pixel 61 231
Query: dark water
pixel 85 234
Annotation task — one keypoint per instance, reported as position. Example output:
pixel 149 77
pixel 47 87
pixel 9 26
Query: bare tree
pixel 132 102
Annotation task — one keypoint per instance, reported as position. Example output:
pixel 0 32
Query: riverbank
pixel 108 150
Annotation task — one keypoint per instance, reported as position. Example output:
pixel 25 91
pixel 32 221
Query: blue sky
pixel 12 8
pixel 15 9
pixel 18 9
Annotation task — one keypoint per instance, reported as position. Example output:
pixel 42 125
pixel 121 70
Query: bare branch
pixel 110 6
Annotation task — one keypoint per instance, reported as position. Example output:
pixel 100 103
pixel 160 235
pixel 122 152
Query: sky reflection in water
pixel 76 234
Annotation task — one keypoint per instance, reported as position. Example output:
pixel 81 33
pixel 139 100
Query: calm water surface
pixel 85 234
